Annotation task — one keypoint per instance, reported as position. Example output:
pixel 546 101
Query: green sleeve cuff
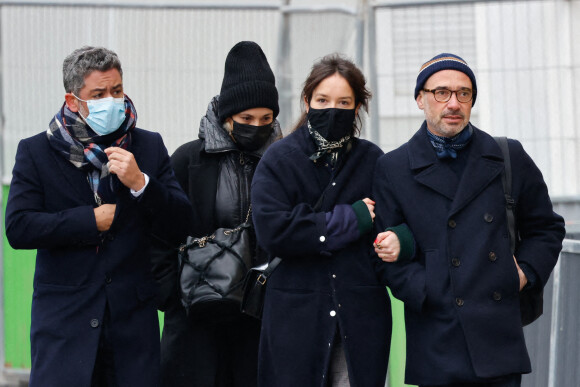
pixel 406 240
pixel 363 217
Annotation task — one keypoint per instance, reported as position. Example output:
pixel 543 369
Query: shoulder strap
pixel 506 179
pixel 271 266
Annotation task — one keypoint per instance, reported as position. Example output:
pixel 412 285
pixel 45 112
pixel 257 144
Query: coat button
pixel 488 217
pixel 456 262
pixel 332 313
pixel 322 238
pixel 459 301
pixel 108 280
pixel 497 296
pixel 492 256
pixel 94 323
pixel 451 223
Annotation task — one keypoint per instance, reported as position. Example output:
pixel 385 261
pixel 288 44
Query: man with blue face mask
pixel 87 194
pixel 105 114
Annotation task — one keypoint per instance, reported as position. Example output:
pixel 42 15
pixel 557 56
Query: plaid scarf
pixel 324 147
pixel 73 139
pixel 448 147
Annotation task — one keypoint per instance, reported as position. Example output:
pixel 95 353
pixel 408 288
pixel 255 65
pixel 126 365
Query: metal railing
pixel 554 339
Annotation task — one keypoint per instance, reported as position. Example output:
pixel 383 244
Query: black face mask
pixel 251 137
pixel 332 123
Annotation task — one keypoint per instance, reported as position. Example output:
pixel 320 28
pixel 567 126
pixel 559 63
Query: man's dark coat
pixel 461 292
pixel 79 270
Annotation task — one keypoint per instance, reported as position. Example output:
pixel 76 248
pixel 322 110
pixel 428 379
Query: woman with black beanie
pixel 217 346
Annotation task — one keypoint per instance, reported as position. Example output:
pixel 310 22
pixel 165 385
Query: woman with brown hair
pixel 327 317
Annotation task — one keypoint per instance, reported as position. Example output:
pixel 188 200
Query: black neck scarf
pixel 333 149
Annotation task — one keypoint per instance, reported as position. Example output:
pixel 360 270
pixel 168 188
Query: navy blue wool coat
pixel 314 291
pixel 79 270
pixel 461 292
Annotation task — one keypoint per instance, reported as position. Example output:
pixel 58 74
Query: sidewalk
pixel 13 380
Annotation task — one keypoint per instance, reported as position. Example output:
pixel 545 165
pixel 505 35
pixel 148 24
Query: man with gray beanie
pixel 463 287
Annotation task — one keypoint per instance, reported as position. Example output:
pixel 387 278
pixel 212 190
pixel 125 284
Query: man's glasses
pixel 444 95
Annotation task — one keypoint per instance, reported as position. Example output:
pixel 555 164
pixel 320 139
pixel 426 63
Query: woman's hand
pixel 387 246
pixel 371 206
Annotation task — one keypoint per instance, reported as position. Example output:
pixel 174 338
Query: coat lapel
pixel 75 177
pixel 484 165
pixel 427 168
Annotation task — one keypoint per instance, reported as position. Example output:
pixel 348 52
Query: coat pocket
pixel 436 278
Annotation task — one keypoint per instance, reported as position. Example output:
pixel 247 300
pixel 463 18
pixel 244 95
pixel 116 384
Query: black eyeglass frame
pixel 451 94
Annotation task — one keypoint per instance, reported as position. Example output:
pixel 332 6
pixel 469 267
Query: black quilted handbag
pixel 212 268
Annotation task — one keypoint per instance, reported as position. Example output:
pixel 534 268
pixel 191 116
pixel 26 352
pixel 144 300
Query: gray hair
pixel 83 61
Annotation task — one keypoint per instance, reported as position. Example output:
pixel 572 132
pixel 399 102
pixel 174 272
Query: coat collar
pixel 306 143
pixel 484 164
pixel 307 146
pixel 217 139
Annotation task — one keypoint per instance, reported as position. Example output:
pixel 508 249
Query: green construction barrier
pixel 398 345
pixel 18 276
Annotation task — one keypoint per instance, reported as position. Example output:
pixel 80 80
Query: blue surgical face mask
pixel 105 115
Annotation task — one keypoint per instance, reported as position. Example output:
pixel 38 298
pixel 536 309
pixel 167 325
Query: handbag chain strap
pixel 243 225
pixel 201 242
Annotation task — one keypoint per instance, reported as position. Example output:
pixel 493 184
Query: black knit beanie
pixel 248 82
pixel 440 62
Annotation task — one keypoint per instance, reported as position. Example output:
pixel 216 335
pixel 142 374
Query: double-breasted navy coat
pixel 461 292
pixel 313 290
pixel 79 270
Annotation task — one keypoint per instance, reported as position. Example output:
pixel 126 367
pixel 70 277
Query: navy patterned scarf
pixel 73 139
pixel 448 147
